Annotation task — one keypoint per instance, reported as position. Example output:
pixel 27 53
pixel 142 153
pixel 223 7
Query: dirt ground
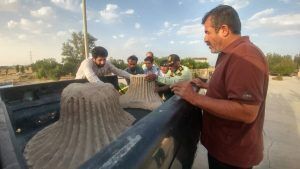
pixel 281 128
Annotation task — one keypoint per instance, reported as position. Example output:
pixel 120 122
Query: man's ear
pixel 224 30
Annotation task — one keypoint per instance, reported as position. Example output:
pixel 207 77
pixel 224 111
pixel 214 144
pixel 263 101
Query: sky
pixel 35 29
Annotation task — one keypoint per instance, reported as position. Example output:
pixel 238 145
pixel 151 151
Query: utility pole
pixel 86 48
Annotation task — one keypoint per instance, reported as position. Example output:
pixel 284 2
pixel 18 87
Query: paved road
pixel 281 128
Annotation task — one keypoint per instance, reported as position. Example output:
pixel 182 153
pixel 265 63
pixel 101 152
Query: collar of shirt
pixel 235 43
pixel 132 71
pixel 230 47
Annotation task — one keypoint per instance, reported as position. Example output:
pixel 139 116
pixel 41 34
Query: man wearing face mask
pixel 95 66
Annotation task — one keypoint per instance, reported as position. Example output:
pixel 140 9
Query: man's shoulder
pixel 184 69
pixel 248 53
pixel 87 62
pixel 140 69
pixel 155 66
pixel 180 71
pixel 246 47
pixel 245 51
pixel 109 64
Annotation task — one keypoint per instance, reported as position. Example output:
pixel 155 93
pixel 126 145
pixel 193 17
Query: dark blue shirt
pixel 137 70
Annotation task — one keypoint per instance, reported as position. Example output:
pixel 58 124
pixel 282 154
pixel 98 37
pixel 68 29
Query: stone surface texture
pixel 141 94
pixel 90 118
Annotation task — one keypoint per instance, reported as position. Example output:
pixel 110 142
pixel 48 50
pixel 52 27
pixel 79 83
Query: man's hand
pixel 184 90
pixel 150 77
pixel 162 88
pixel 199 83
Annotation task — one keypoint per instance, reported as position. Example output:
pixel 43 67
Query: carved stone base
pixel 140 94
pixel 90 118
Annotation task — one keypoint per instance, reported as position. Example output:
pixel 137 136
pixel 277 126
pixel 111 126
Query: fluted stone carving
pixel 140 94
pixel 90 118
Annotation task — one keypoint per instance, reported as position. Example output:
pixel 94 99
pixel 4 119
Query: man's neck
pixel 230 40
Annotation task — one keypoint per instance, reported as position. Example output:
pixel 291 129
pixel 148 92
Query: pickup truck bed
pixel 164 138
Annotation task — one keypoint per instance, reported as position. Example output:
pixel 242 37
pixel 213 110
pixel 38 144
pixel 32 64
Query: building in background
pixel 200 59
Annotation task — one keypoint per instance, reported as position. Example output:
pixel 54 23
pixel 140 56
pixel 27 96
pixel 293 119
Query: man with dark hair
pixel 234 105
pixel 95 66
pixel 150 68
pixel 224 15
pixel 132 67
pixel 150 55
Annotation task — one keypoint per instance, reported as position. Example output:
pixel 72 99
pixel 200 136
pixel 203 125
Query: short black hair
pixel 132 57
pixel 150 59
pixel 224 15
pixel 99 51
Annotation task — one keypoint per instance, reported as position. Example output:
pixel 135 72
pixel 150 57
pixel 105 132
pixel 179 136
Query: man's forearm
pixel 205 85
pixel 93 79
pixel 226 109
pixel 169 80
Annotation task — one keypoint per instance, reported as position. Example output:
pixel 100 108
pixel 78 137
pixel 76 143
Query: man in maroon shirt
pixel 234 105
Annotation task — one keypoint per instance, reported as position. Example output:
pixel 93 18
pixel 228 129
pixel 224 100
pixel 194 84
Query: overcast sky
pixel 128 27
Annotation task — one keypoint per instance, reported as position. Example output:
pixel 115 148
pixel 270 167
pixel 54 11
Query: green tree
pixel 192 64
pixel 22 70
pixel 17 68
pixel 201 65
pixel 188 62
pixel 73 52
pixel 297 60
pixel 280 65
pixel 159 60
pixel 47 68
pixel 119 63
